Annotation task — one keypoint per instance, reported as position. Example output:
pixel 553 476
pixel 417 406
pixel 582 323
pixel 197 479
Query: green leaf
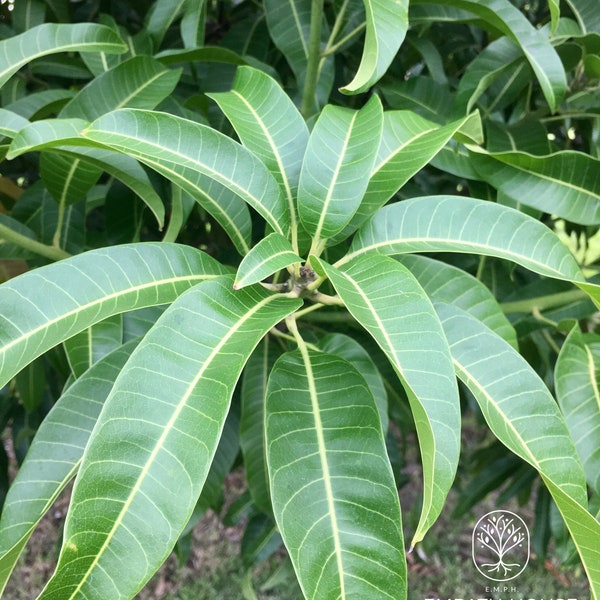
pixel 408 143
pixel 387 23
pixel 252 424
pixel 349 349
pixel 160 17
pixel 445 283
pixel 322 421
pixel 11 122
pixel 154 442
pixel 538 50
pixel 140 82
pixel 193 23
pixel 566 184
pixel 54 456
pixel 44 307
pixel 523 415
pixel 337 164
pixel 422 95
pixel 40 104
pixel 51 38
pixel 586 13
pixel 27 14
pixel 576 384
pixel 171 145
pixel 458 224
pixel 386 299
pixel 268 123
pixel 270 255
pixel 90 345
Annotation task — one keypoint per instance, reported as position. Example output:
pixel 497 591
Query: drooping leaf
pixel 252 423
pixel 321 419
pixel 458 224
pixel 337 164
pixel 385 298
pixel 51 38
pixel 507 18
pixel 44 307
pixel 387 23
pixel 54 456
pixel 270 255
pixel 566 184
pixel 170 145
pixel 39 105
pixel 193 23
pixel 576 384
pixel 160 17
pixel 132 474
pixel 27 14
pixel 90 345
pixel 523 415
pixel 586 13
pixel 445 283
pixel 140 82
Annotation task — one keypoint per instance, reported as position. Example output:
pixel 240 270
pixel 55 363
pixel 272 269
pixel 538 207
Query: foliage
pixel 213 192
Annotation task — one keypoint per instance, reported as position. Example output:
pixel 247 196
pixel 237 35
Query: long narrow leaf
pixel 54 456
pixel 154 442
pixel 44 307
pixel 322 421
pixel 51 38
pixel 388 302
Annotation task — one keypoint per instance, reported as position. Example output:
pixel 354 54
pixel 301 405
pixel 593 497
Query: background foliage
pixel 416 187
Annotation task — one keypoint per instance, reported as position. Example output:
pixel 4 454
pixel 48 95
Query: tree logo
pixel 500 545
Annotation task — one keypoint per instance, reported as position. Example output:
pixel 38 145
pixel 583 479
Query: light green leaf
pixel 51 38
pixel 321 420
pixel 566 184
pixel 90 345
pixel 523 415
pixel 50 465
pixel 268 123
pixel 386 299
pixel 270 255
pixel 11 122
pixel 171 145
pixel 252 423
pixel 337 164
pixel 48 305
pixel 445 283
pixel 458 224
pixel 576 384
pixel 387 23
pixel 540 53
pixel 140 82
pixel 154 442
pixel 349 349
pixel 193 23
pixel 408 143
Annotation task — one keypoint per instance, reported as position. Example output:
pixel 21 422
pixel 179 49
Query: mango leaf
pixel 420 94
pixel 41 104
pixel 90 345
pixel 140 82
pixel 566 184
pixel 51 38
pixel 445 283
pixel 270 255
pixel 44 307
pixel 408 143
pixel 171 145
pixel 576 384
pixel 586 13
pixel 11 122
pixel 458 224
pixel 339 157
pixel 132 474
pixel 50 465
pixel 349 349
pixel 278 137
pixel 252 423
pixel 386 299
pixel 387 23
pixel 321 418
pixel 160 17
pixel 27 14
pixel 523 415
pixel 538 50
pixel 289 24
pixel 193 23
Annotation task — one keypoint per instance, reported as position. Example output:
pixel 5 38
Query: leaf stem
pixel 307 107
pixel 335 47
pixel 543 302
pixel 59 225
pixel 51 252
